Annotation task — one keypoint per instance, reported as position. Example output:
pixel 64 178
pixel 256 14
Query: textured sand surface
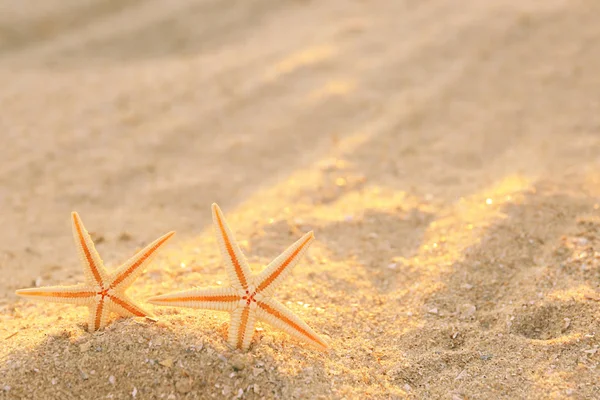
pixel 446 155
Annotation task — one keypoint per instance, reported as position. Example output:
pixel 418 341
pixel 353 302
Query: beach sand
pixel 446 157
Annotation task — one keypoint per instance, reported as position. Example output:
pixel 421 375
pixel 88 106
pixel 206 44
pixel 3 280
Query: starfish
pixel 248 297
pixel 102 291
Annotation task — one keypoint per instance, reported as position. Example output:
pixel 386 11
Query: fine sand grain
pixel 446 155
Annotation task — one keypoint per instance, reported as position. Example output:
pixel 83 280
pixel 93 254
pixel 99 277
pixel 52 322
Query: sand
pixel 446 157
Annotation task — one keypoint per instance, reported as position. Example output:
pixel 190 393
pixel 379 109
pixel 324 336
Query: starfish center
pixel 249 297
pixel 103 293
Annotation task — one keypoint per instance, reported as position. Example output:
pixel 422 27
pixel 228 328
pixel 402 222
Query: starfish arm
pixel 241 327
pixel 99 312
pixel 280 267
pixel 128 272
pixel 277 315
pixel 93 266
pixel 76 294
pixel 218 299
pixel 125 306
pixel 235 261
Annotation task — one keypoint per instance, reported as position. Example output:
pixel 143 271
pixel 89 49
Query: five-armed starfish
pixel 248 298
pixel 102 292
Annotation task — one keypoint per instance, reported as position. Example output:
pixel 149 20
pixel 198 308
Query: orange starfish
pixel 102 292
pixel 248 298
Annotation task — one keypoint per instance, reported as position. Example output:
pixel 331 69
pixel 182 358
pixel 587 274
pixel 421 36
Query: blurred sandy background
pixel 445 153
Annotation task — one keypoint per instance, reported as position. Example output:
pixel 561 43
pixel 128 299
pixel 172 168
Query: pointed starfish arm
pixel 99 313
pixel 128 272
pixel 280 267
pixel 93 266
pixel 241 328
pixel 235 261
pixel 77 294
pixel 219 299
pixel 125 307
pixel 277 315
